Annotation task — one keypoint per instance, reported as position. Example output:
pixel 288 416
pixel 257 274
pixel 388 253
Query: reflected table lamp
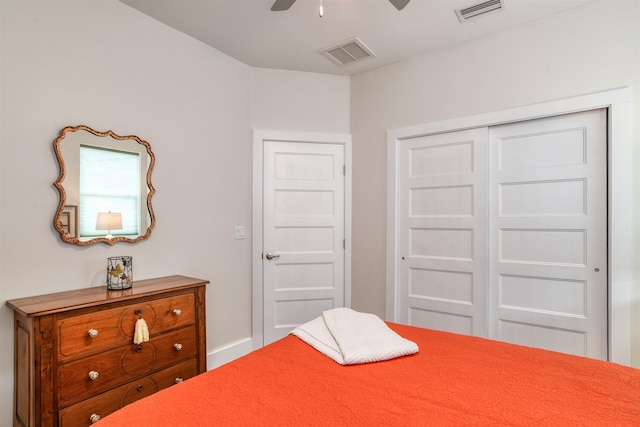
pixel 109 221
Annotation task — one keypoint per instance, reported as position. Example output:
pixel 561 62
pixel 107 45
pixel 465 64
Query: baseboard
pixel 229 353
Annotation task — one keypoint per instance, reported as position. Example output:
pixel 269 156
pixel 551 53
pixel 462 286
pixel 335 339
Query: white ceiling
pixel 250 32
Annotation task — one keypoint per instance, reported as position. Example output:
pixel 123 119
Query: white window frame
pixel 136 214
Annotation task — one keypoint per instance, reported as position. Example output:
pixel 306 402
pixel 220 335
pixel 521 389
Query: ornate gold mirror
pixel 105 187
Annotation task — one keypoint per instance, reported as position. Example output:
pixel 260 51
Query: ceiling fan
pixel 286 4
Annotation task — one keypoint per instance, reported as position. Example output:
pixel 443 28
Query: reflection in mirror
pixel 105 187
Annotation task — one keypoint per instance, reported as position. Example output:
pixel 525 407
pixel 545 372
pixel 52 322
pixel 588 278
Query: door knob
pixel 271 256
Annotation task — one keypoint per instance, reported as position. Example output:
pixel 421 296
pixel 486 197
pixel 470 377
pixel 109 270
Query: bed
pixel 452 380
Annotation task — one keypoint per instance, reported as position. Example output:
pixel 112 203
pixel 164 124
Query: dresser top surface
pixel 88 297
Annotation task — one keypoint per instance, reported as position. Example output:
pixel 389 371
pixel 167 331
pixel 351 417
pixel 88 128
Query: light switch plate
pixel 240 232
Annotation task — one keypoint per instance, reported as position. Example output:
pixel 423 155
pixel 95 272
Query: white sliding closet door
pixel 502 232
pixel 442 223
pixel 548 272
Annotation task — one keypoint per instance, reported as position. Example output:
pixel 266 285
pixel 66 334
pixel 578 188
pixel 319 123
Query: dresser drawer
pixel 80 414
pixel 117 366
pixel 97 331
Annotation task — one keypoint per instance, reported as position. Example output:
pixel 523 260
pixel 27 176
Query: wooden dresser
pixel 75 360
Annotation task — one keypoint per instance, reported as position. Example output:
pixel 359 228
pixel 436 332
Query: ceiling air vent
pixel 479 9
pixel 348 51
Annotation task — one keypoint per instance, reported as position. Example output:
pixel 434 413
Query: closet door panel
pixel 548 224
pixel 442 190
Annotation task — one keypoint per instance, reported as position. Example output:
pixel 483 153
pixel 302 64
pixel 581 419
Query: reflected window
pixel 109 181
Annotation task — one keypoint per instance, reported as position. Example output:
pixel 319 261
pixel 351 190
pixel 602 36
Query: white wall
pixel 588 49
pixel 295 101
pixel 107 66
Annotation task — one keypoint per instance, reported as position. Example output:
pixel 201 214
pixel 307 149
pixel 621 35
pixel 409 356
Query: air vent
pixel 479 9
pixel 347 52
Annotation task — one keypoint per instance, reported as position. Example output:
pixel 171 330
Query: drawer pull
pixel 93 333
pixel 177 312
pixel 140 387
pixel 138 349
pixel 93 375
pixel 94 418
pixel 178 380
pixel 177 346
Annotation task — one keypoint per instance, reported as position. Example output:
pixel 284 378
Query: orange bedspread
pixel 454 380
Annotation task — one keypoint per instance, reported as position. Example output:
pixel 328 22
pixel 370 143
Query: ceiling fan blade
pixel 282 5
pixel 399 4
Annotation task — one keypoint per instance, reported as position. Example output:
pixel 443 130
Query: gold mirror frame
pixel 63 224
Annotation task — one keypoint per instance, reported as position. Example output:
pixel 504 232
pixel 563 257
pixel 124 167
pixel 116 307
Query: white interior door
pixel 548 209
pixel 511 245
pixel 442 223
pixel 303 245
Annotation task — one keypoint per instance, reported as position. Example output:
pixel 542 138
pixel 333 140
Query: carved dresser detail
pixel 75 359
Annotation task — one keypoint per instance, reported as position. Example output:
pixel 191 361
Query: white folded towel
pixel 350 337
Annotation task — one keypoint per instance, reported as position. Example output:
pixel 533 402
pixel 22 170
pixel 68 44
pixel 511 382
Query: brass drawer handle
pixel 177 312
pixel 93 375
pixel 177 346
pixel 94 418
pixel 178 380
pixel 93 333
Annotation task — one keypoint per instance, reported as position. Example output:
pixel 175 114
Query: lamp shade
pixel 109 221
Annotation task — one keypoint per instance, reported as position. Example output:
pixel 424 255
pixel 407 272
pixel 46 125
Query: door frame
pixel 259 138
pixel 621 248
